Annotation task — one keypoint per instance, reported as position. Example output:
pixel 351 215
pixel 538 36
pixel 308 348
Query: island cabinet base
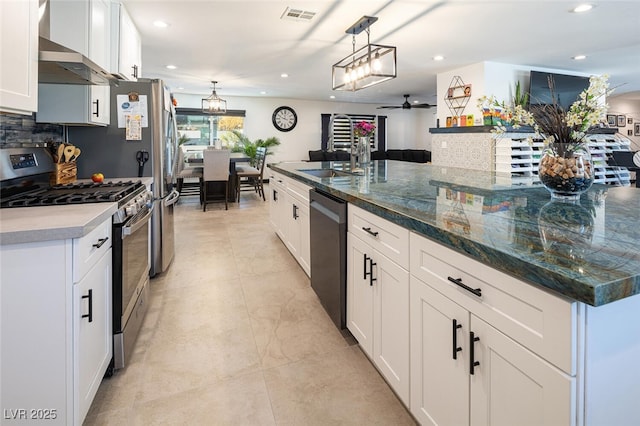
pixel 489 349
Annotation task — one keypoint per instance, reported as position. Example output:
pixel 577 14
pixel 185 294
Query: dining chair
pixel 216 170
pixel 186 173
pixel 251 177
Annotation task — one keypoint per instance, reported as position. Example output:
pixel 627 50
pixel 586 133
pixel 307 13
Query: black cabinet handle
pixel 97 104
pixel 371 265
pixel 370 232
pixel 90 314
pixel 364 265
pixel 458 282
pixel 100 242
pixel 370 273
pixel 472 362
pixel 456 348
pixel 275 195
pixel 295 212
pixel 135 71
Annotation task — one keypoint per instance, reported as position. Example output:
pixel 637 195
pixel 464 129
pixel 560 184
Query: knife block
pixel 64 173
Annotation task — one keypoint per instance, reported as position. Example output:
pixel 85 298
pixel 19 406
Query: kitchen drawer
pixel 298 190
pixel 90 248
pixel 543 322
pixel 388 238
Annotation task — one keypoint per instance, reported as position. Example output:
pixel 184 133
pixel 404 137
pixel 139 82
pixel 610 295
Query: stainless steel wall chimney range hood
pixel 60 65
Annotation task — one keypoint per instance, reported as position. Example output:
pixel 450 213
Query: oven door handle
pixel 133 227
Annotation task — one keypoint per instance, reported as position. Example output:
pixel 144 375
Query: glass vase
pixel 364 151
pixel 566 230
pixel 566 170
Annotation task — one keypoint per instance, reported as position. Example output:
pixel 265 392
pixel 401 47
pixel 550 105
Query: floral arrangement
pixel 556 125
pixel 364 129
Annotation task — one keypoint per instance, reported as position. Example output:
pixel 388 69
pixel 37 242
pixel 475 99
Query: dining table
pixel 194 158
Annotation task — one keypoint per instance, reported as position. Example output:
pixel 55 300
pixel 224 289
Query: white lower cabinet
pixel 92 325
pixel 55 334
pixel 378 303
pixel 289 216
pixel 464 371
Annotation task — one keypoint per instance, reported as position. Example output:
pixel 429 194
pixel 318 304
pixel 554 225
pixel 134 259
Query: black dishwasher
pixel 328 222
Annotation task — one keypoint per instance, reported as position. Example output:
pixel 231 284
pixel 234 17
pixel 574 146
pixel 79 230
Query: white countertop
pixel 34 224
pixel 47 223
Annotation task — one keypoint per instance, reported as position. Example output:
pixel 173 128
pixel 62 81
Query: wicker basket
pixel 65 173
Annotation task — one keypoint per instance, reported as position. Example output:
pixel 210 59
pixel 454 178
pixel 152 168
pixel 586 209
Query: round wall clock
pixel 284 118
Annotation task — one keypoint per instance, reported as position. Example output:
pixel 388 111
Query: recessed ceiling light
pixel 284 75
pixel 180 88
pixel 580 57
pixel 171 67
pixel 582 8
pixel 438 58
pixel 160 24
pixel 332 97
pixel 263 93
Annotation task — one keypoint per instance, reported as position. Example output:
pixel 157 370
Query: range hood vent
pixel 60 65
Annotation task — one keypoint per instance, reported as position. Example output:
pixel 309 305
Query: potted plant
pixel 565 168
pixel 241 143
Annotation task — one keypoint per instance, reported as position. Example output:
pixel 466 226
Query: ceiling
pixel 246 45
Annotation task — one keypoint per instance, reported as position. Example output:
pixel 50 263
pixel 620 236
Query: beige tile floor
pixel 236 336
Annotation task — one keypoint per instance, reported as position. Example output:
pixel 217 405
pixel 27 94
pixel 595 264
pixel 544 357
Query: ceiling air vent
pixel 297 15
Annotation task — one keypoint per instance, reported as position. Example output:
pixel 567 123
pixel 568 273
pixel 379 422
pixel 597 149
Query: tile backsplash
pixel 22 130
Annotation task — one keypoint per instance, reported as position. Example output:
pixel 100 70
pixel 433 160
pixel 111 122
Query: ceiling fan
pixel 406 105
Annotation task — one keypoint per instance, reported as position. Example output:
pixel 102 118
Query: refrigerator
pixel 141 141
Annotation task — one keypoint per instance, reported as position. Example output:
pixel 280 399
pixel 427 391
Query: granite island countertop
pixel 589 252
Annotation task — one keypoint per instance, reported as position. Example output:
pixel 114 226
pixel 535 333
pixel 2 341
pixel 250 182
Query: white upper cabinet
pixel 126 46
pixel 84 27
pixel 19 56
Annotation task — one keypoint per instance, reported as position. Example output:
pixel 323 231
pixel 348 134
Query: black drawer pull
pixel 371 265
pixel 370 232
pixel 275 195
pixel 456 348
pixel 97 104
pixel 458 282
pixel 295 212
pixel 90 314
pixel 472 353
pixel 100 242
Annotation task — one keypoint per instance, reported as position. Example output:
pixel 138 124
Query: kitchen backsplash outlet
pixel 18 130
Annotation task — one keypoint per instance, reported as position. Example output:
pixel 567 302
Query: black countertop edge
pixel 528 270
pixel 523 129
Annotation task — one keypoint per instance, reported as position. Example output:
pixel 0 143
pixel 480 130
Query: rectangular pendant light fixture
pixel 368 66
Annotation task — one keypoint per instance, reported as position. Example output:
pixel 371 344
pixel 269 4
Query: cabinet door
pixel 304 236
pixel 92 337
pixel 359 293
pixel 99 27
pixel 391 323
pixel 277 208
pixel 130 55
pixel 439 382
pixel 513 386
pixel 19 56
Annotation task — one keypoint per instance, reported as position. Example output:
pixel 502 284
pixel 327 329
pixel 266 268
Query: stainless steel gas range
pixel 24 183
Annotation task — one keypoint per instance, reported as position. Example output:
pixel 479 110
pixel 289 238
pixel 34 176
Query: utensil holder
pixel 64 173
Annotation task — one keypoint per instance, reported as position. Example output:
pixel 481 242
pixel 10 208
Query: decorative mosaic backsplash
pixel 18 130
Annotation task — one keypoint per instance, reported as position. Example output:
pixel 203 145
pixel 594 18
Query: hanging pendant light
pixel 214 104
pixel 370 65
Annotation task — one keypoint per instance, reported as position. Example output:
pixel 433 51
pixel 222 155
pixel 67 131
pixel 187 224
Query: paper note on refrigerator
pixel 133 127
pixel 127 107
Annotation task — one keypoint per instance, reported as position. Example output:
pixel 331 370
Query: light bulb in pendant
pixel 377 65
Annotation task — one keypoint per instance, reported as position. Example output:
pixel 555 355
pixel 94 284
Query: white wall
pixel 488 78
pixel 631 108
pixel 405 128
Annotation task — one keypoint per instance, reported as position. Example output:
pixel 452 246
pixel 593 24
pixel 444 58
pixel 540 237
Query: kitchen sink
pixel 325 173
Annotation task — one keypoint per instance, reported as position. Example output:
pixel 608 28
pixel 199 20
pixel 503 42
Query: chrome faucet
pixel 352 139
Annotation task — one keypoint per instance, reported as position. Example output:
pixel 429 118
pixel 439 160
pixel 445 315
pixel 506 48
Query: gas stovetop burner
pixel 75 193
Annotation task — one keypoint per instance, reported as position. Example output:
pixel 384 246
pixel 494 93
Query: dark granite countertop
pixel 588 252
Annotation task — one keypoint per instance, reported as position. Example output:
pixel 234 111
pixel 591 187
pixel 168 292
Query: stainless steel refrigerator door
pixel 162 233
